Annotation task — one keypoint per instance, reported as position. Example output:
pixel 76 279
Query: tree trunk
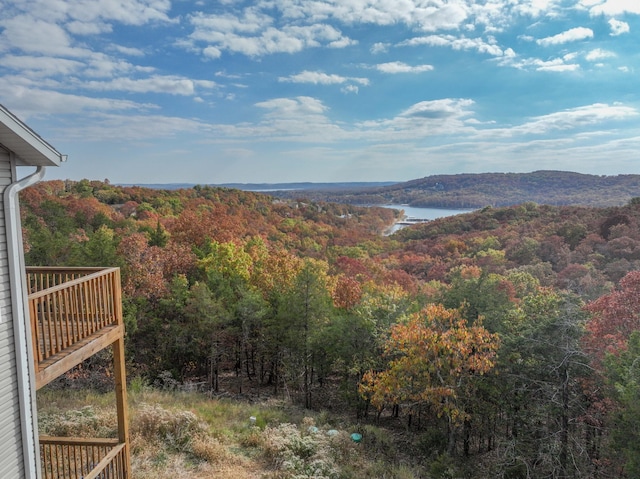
pixel 564 422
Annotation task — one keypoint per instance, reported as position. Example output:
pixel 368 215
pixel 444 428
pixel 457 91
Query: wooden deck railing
pixel 80 458
pixel 75 313
pixel 69 308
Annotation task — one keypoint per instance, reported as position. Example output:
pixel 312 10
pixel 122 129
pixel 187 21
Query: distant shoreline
pixel 428 214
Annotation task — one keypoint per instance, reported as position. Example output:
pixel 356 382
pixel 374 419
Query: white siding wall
pixel 11 456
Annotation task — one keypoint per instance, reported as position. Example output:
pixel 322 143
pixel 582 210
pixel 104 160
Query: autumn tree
pixel 480 293
pixel 143 274
pixel 433 355
pixel 614 317
pixel 358 331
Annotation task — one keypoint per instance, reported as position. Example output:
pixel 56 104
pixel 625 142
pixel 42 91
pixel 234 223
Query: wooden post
pixel 121 376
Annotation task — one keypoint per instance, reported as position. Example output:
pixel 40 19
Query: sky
pixel 219 91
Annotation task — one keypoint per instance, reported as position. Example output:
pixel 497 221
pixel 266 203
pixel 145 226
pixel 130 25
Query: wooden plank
pixel 79 441
pixel 56 366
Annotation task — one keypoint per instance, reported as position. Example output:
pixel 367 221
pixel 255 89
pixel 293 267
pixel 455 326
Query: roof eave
pixel 29 148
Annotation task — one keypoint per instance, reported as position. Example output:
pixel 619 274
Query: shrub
pixel 209 449
pixel 85 422
pixel 378 441
pixel 175 429
pixel 307 452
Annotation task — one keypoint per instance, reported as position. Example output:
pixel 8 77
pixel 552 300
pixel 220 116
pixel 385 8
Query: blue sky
pixel 166 91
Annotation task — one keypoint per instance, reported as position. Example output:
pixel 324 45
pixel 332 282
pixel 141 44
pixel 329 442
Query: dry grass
pixel 186 435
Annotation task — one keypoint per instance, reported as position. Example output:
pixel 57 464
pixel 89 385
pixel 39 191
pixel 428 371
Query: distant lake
pixel 415 213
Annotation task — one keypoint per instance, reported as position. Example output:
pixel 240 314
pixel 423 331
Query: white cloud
pixel 439 109
pixel 305 119
pixel 296 119
pixel 34 36
pixel 553 65
pixel 456 43
pixel 400 67
pixel 599 54
pixel 615 7
pixel 45 26
pixel 134 128
pixel 255 36
pixel 212 52
pixel 128 12
pixel 42 66
pixel 301 105
pixel 320 78
pixel 172 85
pixel 618 27
pixel 572 35
pixel 132 52
pixel 448 16
pixel 251 22
pixel 342 42
pixel 425 119
pixel 429 16
pixel 589 3
pixel 536 8
pixel 379 48
pixel 558 67
pixel 35 101
pixel 589 115
pixel 88 28
pixel 350 89
pixel 103 66
pixel 270 27
pixel 569 57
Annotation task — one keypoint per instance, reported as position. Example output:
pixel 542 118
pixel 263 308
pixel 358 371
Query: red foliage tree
pixel 614 317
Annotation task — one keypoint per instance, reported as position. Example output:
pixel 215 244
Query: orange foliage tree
pixel 432 355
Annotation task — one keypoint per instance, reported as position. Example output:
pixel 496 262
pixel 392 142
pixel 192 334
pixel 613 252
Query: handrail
pixel 75 458
pixel 47 279
pixel 79 441
pixel 112 466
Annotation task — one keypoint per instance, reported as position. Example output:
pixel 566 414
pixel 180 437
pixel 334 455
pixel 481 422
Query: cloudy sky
pixel 165 91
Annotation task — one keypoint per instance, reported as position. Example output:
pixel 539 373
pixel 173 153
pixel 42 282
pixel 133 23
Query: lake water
pixel 424 214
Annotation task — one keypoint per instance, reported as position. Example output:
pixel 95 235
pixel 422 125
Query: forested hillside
pixel 490 189
pixel 503 342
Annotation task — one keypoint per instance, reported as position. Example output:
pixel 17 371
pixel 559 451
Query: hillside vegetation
pixel 179 435
pixel 490 189
pixel 498 343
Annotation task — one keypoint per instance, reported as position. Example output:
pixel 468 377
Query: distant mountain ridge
pixel 305 185
pixel 476 190
pixel 465 190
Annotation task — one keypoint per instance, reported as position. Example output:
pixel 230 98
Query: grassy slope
pixel 187 435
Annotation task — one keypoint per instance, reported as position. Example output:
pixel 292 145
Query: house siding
pixel 11 451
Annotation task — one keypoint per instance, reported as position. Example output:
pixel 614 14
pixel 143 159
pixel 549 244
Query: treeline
pixel 504 339
pixel 494 189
